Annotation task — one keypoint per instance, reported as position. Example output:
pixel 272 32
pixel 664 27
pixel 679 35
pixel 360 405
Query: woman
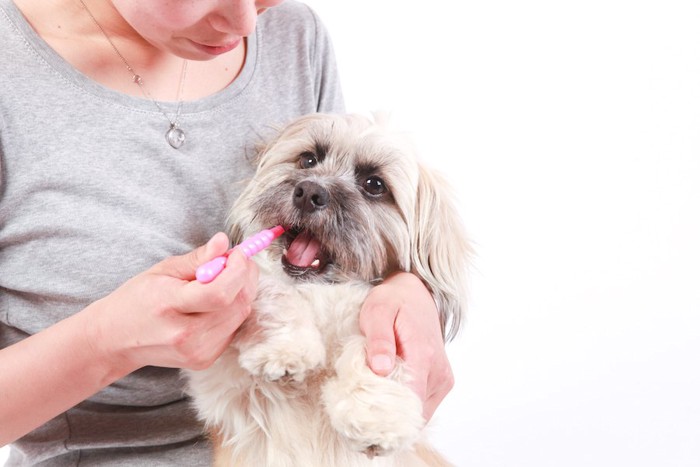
pixel 125 134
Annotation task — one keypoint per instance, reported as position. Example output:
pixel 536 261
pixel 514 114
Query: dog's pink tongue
pixel 303 250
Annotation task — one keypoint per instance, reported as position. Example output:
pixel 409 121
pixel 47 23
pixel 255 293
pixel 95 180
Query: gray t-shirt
pixel 91 194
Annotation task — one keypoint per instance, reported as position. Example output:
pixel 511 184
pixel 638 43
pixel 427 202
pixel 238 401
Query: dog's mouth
pixel 304 254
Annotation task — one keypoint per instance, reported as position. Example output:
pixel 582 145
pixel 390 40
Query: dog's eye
pixel 375 186
pixel 307 160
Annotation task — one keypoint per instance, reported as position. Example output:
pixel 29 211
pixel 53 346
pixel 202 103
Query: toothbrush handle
pixel 256 243
pixel 250 246
pixel 207 272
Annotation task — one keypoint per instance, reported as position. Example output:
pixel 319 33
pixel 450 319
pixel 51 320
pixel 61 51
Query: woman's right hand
pixel 164 317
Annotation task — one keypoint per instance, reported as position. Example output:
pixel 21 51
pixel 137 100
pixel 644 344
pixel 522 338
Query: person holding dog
pixel 126 132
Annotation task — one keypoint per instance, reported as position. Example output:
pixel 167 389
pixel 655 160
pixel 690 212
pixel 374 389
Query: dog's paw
pixel 283 361
pixel 377 415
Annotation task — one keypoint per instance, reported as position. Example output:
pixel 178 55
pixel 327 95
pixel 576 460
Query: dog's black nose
pixel 310 196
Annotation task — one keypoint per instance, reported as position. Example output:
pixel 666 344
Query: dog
pixel 294 388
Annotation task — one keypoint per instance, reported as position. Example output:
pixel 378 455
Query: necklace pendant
pixel 175 136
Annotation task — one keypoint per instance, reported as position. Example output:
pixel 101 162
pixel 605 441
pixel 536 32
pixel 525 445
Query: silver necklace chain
pixel 174 136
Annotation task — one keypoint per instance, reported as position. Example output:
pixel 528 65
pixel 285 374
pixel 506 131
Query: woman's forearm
pixel 51 371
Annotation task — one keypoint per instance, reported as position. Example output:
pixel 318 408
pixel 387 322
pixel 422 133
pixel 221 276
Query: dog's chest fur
pixel 333 309
pixel 294 388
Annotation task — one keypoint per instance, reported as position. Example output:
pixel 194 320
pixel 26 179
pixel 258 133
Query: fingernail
pixel 382 363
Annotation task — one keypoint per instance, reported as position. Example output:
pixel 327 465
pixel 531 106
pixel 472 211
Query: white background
pixel 571 131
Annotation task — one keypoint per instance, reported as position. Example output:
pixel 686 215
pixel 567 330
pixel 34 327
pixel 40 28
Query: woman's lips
pixel 218 49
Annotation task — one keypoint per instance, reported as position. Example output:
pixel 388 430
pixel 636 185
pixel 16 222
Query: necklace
pixel 174 136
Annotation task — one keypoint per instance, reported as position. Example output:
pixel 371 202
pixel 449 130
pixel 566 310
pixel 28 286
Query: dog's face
pixel 355 203
pixel 342 192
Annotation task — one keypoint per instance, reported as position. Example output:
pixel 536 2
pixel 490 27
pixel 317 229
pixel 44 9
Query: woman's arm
pixel 160 317
pixel 49 372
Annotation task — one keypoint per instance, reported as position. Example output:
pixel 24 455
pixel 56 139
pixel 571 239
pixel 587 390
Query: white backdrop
pixel 572 133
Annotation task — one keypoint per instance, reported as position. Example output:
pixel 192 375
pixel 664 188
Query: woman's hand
pixel 164 317
pixel 400 318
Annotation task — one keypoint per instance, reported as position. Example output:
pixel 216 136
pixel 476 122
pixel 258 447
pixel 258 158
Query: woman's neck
pixel 68 28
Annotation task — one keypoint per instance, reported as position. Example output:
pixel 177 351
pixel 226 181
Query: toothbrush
pixel 207 272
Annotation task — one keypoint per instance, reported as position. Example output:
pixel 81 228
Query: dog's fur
pixel 294 388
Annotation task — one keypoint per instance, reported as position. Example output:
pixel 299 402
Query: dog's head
pixel 356 204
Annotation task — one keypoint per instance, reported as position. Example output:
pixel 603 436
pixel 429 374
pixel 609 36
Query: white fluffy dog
pixel 294 389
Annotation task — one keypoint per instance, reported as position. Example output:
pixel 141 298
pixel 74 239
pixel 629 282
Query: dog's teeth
pixel 316 263
pixel 284 251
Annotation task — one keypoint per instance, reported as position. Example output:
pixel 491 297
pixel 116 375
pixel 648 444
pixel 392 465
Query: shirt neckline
pixel 87 84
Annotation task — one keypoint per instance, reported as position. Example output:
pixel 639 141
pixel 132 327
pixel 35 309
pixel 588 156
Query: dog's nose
pixel 310 196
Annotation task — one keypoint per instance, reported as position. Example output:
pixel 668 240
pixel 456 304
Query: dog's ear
pixel 440 249
pixel 240 217
pixel 235 233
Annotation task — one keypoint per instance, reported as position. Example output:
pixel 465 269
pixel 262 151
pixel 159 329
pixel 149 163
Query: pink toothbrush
pixel 207 272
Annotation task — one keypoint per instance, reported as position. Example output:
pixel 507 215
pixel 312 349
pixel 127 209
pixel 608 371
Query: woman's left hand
pixel 399 318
